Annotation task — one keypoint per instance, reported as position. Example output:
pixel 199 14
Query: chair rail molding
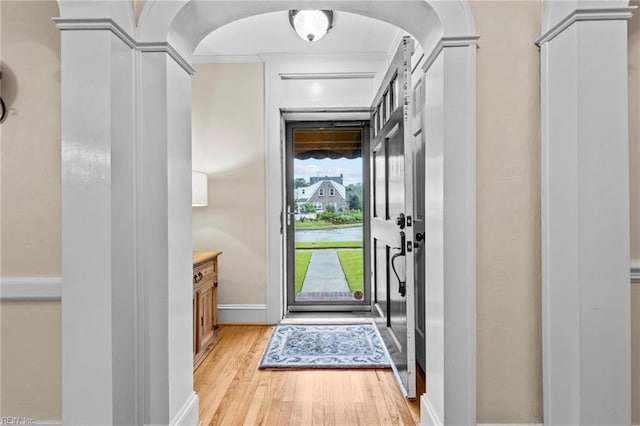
pixel 30 288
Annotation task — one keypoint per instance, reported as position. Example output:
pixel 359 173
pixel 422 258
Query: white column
pixel 585 220
pixel 126 201
pixel 98 258
pixel 450 226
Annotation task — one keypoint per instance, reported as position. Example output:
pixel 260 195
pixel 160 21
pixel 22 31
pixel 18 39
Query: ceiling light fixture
pixel 311 25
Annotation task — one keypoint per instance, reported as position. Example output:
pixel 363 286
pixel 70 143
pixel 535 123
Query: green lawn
pixel 352 265
pixel 329 245
pixel 320 224
pixel 302 264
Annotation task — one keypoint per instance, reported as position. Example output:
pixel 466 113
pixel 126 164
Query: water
pixel 319 235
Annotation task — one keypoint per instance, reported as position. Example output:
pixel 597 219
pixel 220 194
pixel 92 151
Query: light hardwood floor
pixel 233 391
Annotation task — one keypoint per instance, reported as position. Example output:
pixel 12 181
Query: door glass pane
pixel 385 107
pixel 375 125
pixel 328 237
pixel 396 92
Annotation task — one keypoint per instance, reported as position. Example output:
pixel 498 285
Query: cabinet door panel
pixel 206 316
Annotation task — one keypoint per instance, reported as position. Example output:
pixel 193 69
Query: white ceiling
pixel 272 33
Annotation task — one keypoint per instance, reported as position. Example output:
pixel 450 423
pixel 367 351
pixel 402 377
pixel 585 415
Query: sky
pixel 351 169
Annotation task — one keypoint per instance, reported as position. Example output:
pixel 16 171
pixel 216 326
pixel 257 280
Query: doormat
pixel 325 346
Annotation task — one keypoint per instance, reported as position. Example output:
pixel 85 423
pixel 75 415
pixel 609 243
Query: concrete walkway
pixel 325 278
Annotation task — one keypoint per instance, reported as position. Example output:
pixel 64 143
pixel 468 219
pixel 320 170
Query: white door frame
pixel 126 163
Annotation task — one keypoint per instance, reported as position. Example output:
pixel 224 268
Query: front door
pixel 392 224
pixel 326 201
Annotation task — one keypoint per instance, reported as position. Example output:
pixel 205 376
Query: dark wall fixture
pixel 3 107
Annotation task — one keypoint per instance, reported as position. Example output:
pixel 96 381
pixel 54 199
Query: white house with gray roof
pixel 322 193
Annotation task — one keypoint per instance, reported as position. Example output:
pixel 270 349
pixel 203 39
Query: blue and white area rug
pixel 325 346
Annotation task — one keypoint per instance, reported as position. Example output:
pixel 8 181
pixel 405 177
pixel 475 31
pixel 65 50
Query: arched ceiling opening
pixel 185 23
pixel 271 33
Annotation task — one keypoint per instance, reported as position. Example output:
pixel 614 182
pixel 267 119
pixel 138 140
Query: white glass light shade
pixel 199 194
pixel 311 25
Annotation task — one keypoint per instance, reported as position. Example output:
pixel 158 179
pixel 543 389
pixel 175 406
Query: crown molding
pixel 353 56
pixel 225 59
pixel 166 47
pixel 99 24
pixel 328 76
pixel 107 24
pixel 579 15
pixel 461 41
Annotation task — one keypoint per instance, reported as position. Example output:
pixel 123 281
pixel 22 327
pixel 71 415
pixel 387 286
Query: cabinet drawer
pixel 204 272
pixel 204 285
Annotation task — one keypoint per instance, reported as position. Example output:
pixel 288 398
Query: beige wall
pixel 509 330
pixel 30 163
pixel 31 363
pixel 30 209
pixel 634 171
pixel 229 145
pixel 138 5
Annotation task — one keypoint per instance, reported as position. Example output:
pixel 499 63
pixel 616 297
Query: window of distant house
pixel 332 192
pixel 321 192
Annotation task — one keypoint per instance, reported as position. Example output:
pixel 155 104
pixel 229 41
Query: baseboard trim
pixel 428 415
pixel 189 413
pixel 510 424
pixel 30 289
pixel 242 314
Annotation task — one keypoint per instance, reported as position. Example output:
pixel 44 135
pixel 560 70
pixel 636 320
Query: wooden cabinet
pixel 205 318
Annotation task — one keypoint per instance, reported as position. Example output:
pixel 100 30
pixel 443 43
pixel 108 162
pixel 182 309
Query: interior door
pixel 392 216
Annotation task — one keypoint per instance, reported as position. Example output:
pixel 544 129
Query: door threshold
pixel 327 318
pixel 336 308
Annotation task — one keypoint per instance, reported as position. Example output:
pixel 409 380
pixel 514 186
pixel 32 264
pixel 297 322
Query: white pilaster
pixel 585 219
pixel 450 223
pixel 164 238
pixel 98 367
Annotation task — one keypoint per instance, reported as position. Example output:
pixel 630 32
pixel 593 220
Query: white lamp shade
pixel 311 25
pixel 199 194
